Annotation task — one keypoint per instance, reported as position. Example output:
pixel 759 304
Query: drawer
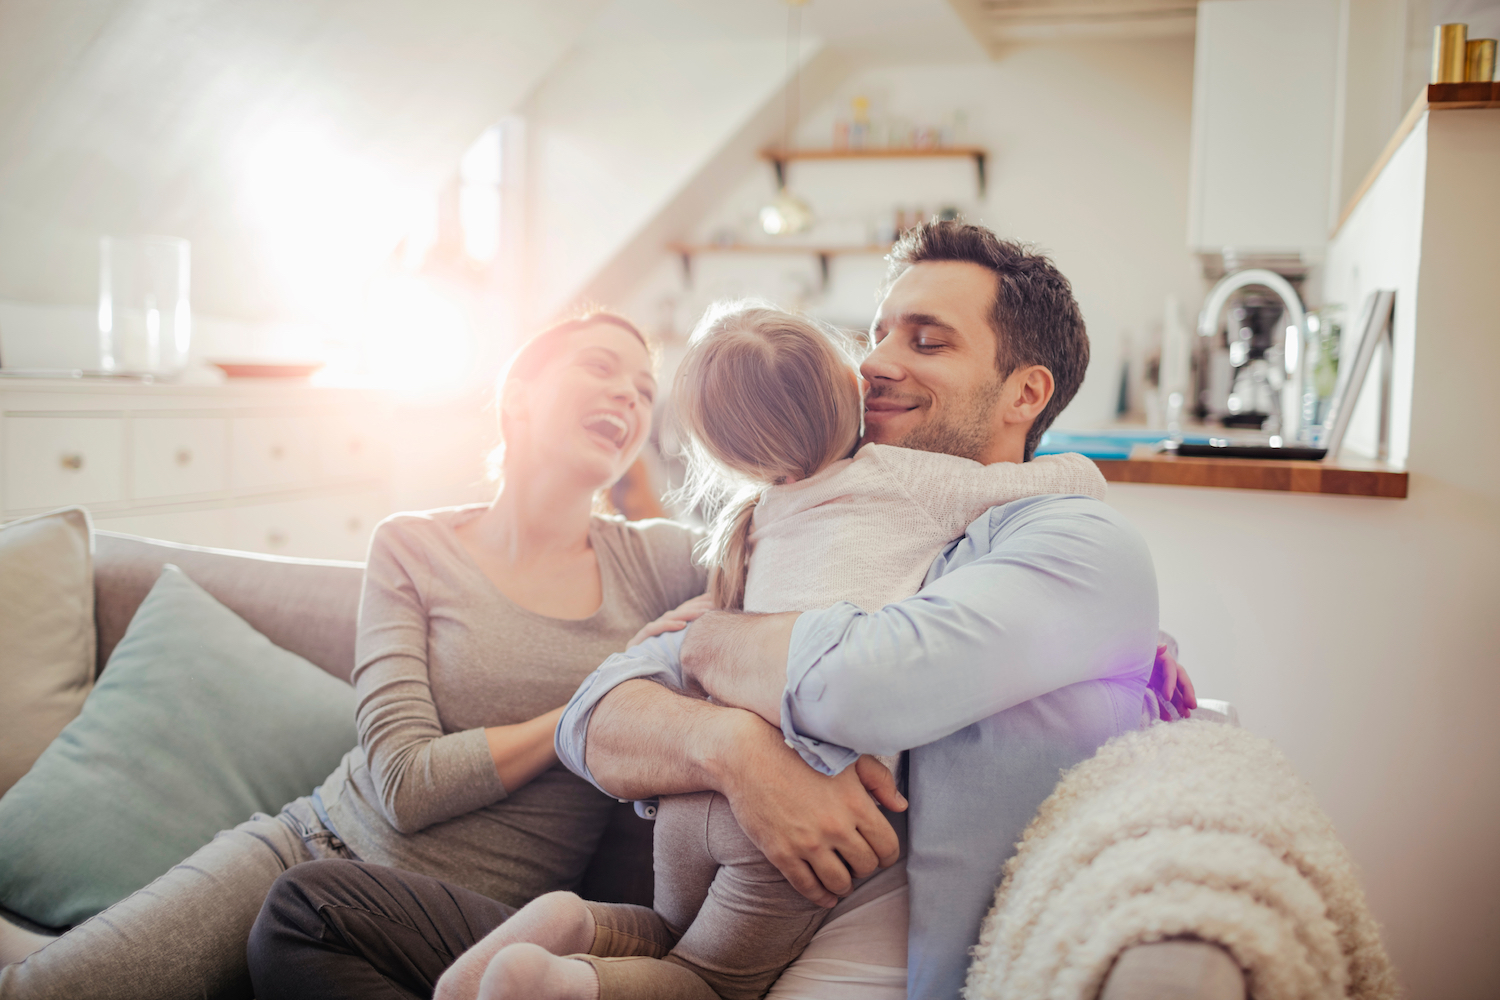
pixel 177 456
pixel 352 446
pixel 56 461
pixel 192 527
pixel 272 451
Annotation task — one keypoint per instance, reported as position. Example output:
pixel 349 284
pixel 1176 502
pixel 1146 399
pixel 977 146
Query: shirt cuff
pixel 815 634
pixel 657 659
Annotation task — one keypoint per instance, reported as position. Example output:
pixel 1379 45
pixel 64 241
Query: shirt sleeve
pixel 1037 595
pixel 423 775
pixel 954 491
pixel 657 659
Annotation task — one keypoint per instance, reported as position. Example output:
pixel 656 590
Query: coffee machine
pixel 1248 360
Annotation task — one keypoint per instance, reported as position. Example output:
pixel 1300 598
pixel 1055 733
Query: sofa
pixel 309 607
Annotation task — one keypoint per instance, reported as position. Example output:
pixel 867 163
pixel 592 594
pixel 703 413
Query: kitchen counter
pixel 1346 477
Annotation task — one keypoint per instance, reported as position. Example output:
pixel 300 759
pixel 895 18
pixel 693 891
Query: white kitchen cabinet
pixel 178 456
pixel 57 460
pixel 278 468
pixel 273 451
pixel 1263 125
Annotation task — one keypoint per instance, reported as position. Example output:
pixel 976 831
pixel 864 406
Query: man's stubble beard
pixel 968 429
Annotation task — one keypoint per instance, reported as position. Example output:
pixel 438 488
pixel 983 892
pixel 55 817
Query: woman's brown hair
pixel 766 397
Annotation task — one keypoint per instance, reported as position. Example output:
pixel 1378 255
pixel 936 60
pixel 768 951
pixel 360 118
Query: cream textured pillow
pixel 46 632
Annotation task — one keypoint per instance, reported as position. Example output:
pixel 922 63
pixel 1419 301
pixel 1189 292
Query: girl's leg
pixel 181 937
pixel 751 925
pixel 559 923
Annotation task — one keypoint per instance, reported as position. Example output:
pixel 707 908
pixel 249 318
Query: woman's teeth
pixel 609 427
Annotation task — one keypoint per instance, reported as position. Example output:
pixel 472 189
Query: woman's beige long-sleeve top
pixel 442 654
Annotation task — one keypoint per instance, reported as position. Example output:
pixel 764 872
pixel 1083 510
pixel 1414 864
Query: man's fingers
pixel 882 839
pixel 880 782
pixel 800 875
pixel 830 869
pixel 1187 685
pixel 858 857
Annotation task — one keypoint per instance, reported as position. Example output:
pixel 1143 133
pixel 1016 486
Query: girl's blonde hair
pixel 765 397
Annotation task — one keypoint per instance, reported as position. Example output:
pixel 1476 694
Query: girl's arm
pixel 955 491
pixel 421 774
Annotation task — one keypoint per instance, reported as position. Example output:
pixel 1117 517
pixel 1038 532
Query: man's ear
pixel 1031 390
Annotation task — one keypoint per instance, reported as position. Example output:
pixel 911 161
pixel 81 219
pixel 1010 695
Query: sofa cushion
pixel 198 722
pixel 46 633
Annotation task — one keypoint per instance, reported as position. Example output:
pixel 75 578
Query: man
pixel 1028 647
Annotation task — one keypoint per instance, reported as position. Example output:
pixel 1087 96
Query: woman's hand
pixel 675 620
pixel 524 750
pixel 1172 684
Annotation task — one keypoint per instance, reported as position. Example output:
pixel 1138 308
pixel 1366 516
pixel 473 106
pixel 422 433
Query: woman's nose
pixel 626 393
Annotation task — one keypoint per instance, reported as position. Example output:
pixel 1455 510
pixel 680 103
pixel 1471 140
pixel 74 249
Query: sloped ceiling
pixel 129 116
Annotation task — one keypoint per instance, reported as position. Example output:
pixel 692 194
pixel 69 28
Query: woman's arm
pixel 422 775
pixel 524 750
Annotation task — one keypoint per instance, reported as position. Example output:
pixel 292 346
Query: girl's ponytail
pixel 729 552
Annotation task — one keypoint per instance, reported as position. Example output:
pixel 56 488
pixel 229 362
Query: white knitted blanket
pixel 1191 828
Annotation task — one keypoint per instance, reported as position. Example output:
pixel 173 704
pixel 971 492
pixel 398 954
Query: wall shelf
pixel 1345 477
pixel 687 251
pixel 779 158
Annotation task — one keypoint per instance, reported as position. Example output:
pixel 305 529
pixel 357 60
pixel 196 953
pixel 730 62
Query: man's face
pixel 933 385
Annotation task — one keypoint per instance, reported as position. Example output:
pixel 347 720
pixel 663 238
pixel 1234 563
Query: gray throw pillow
pixel 46 632
pixel 196 722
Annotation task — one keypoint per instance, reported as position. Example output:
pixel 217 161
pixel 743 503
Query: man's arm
pixel 633 738
pixel 1036 596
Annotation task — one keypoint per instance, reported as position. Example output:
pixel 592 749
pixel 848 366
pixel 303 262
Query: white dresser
pixel 283 468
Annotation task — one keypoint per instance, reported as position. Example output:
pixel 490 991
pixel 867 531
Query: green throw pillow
pixel 197 722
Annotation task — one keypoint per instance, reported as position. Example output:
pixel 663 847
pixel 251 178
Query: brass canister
pixel 1449 53
pixel 1481 60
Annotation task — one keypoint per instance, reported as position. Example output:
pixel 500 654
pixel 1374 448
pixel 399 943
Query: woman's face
pixel 589 408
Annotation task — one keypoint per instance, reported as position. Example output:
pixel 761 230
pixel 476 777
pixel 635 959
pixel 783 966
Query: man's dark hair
pixel 1035 318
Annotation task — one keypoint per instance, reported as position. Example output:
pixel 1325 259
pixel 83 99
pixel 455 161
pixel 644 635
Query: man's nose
pixel 880 363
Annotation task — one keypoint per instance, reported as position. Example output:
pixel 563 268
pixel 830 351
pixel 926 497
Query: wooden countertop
pixel 1346 477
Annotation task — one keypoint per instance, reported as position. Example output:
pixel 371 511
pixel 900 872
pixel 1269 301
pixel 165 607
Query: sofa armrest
pixel 1174 970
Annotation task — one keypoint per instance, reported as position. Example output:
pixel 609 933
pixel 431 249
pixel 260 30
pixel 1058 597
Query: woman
pixel 476 625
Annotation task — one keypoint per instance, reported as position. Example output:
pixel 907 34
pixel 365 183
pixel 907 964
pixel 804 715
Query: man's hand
pixel 820 832
pixel 1171 682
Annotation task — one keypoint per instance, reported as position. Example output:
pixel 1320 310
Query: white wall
pixel 1361 634
pixel 1379 247
pixel 1089 149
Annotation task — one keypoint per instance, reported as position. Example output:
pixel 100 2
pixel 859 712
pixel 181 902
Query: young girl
pixel 771 404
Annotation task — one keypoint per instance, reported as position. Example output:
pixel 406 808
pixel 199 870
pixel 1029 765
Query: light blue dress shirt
pixel 1029 645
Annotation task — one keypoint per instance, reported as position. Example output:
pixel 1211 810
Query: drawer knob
pixel 277 451
pixel 183 456
pixel 275 539
pixel 353 525
pixel 71 460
